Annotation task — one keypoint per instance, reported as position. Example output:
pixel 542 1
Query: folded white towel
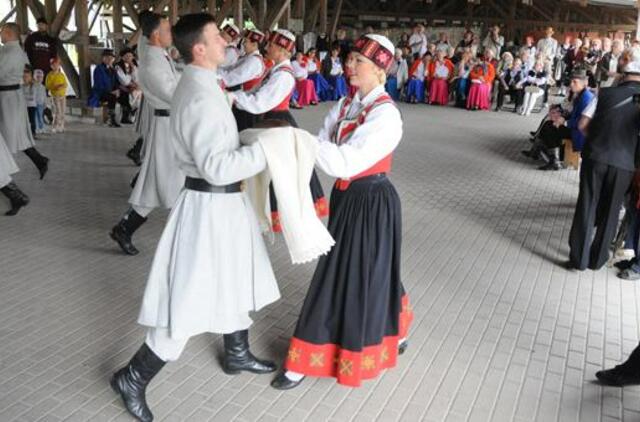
pixel 291 155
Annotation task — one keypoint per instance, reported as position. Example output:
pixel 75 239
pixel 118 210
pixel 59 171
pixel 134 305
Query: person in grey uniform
pixel 14 118
pixel 160 179
pixel 8 187
pixel 211 267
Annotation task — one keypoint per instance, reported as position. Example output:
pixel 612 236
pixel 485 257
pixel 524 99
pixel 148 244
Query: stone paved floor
pixel 500 332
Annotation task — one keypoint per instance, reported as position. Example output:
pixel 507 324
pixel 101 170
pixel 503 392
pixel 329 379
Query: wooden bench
pixel 571 157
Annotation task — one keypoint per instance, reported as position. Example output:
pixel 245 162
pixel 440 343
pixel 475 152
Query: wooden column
pixel 238 17
pixel 638 21
pixel 82 44
pixel 118 31
pixel 50 10
pixel 173 11
pixel 22 17
pixel 323 16
pixel 262 14
pixel 211 7
pixel 286 16
pixel 336 20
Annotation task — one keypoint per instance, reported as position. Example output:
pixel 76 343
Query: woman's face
pixel 363 71
pixel 517 63
pixel 312 54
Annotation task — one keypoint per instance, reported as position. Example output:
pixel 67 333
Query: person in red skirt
pixel 482 75
pixel 356 314
pixel 440 74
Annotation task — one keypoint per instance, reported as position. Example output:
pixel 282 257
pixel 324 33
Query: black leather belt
pixel 161 113
pixel 202 185
pixel 9 87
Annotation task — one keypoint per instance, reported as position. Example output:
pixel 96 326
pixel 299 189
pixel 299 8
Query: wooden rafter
pixel 277 13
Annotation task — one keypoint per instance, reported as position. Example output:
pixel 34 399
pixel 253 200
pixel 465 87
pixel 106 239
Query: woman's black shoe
pixel 281 382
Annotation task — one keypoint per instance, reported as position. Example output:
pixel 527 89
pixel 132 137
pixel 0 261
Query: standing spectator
pixel 592 59
pixel 41 47
pixel 30 98
pixel 494 41
pixel 608 66
pixel 344 43
pixel 530 47
pixel 610 158
pixel 418 41
pixel 561 65
pixel 322 44
pixel 105 86
pixel 41 99
pixel 548 46
pixel 443 42
pixel 465 42
pixel 56 83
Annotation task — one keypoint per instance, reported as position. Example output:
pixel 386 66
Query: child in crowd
pixel 30 98
pixel 41 99
pixel 56 83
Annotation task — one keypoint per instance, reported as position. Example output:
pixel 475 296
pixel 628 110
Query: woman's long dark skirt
pixel 317 193
pixel 356 309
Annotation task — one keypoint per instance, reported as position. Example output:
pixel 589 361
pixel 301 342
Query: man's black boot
pixel 238 357
pixel 123 231
pixel 132 380
pixel 18 198
pixel 41 162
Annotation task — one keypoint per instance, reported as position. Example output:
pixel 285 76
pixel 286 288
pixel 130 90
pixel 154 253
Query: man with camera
pixel 610 157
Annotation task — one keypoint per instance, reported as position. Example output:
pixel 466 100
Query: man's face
pixel 164 30
pixel 616 48
pixel 7 34
pixel 108 60
pixel 577 85
pixel 549 32
pixel 214 44
pixel 42 27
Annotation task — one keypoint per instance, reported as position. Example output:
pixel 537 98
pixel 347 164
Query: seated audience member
pixel 534 85
pixel 508 83
pixel 463 69
pixel 416 86
pixel 126 71
pixel 440 73
pixel 481 76
pixel 105 86
pixel 314 67
pixel 397 75
pixel 333 72
pixel 304 86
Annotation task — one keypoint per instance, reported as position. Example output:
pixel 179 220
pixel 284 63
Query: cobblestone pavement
pixel 501 333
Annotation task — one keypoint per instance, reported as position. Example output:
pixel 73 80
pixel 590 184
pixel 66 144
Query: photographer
pixel 609 161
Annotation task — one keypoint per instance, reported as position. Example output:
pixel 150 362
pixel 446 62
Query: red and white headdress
pixel 231 30
pixel 254 35
pixel 283 38
pixel 376 48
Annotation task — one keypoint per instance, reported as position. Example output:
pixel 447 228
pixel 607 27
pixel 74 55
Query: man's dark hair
pixel 149 22
pixel 188 32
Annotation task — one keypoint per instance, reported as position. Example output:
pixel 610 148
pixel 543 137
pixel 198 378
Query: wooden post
pixel 82 44
pixel 262 13
pixel 638 21
pixel 336 20
pixel 323 16
pixel 173 11
pixel 50 10
pixel 286 16
pixel 22 17
pixel 238 17
pixel 211 7
pixel 118 32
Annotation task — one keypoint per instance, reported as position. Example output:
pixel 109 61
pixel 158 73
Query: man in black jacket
pixel 41 47
pixel 610 158
pixel 608 65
